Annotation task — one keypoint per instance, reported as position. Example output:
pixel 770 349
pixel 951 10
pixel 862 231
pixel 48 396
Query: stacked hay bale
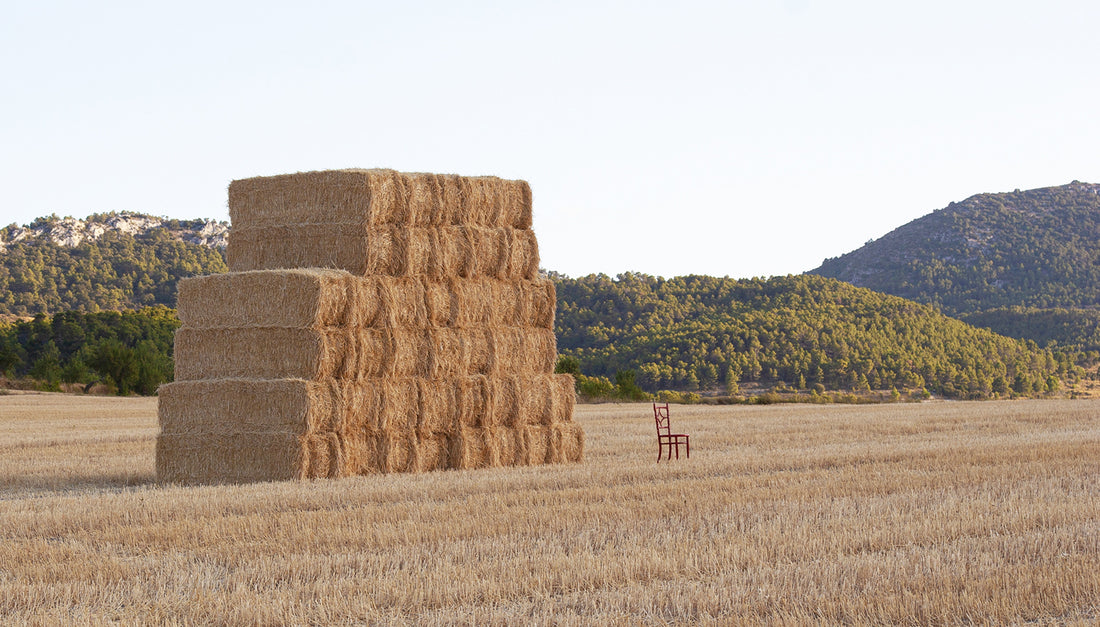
pixel 372 321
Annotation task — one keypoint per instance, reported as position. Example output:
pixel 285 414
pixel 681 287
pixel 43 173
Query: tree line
pixel 804 332
pixel 129 351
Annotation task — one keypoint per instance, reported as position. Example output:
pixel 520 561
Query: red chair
pixel 664 435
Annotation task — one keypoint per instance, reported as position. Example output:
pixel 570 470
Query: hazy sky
pixel 748 138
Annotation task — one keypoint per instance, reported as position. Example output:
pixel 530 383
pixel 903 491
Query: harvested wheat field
pixel 937 513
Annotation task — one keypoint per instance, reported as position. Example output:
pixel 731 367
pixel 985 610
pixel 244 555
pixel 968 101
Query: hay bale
pixel 510 445
pixel 537 442
pixel 523 254
pixel 223 406
pixel 375 351
pixel 362 197
pixel 265 353
pixel 506 392
pixel 433 452
pixel 398 452
pixel 473 447
pixel 411 353
pixel 306 297
pixel 477 350
pixel 507 304
pixel 402 301
pixel 424 195
pixel 379 197
pixel 474 399
pixel 540 350
pixel 571 438
pixel 232 457
pixel 473 303
pixel 564 398
pixel 455 256
pixel 438 411
pixel 364 453
pixel 439 302
pixel 400 404
pixel 539 303
pixel 445 355
pixel 489 251
pixel 310 246
pixel 363 401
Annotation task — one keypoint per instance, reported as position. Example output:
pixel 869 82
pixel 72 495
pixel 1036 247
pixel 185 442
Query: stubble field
pixel 937 513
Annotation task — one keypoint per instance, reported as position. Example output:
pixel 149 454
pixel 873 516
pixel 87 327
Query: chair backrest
pixel 660 416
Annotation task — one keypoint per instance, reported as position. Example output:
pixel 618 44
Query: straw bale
pixel 310 246
pixel 249 405
pixel 507 303
pixel 474 399
pixel 539 303
pixel 386 252
pixel 455 256
pixel 433 452
pixel 516 203
pixel 445 354
pixel 230 457
pixel 506 391
pixel 376 197
pixel 534 401
pixel 364 453
pixel 402 301
pixel 424 193
pixel 564 395
pixel 523 254
pixel 319 458
pixel 452 194
pixel 438 411
pixel 264 353
pixel 510 445
pixel 489 251
pixel 477 350
pixel 473 447
pixel 375 352
pixel 306 297
pixel 411 353
pixel 477 206
pixel 537 444
pixel 572 441
pixel 439 301
pixel 398 451
pixel 363 401
pixel 516 350
pixel 540 350
pixel 400 403
pixel 366 197
pixel 473 303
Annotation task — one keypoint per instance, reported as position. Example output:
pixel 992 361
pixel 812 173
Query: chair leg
pixel 687 443
pixel 659 452
pixel 677 449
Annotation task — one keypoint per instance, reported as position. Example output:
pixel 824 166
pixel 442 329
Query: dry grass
pixel 940 513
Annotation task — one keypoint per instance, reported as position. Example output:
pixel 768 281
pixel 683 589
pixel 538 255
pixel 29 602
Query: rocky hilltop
pixel 71 232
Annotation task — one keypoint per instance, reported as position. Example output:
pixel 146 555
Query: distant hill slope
pixel 109 261
pixel 706 332
pixel 1037 248
pixel 1020 259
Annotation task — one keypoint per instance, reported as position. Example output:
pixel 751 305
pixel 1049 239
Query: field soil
pixel 931 513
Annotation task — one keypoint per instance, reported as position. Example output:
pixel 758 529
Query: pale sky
pixel 738 138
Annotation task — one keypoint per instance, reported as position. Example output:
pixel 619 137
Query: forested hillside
pixel 106 262
pixel 1025 252
pixel 703 332
pixel 130 351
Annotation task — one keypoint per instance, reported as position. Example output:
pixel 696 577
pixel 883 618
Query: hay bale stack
pixel 373 321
